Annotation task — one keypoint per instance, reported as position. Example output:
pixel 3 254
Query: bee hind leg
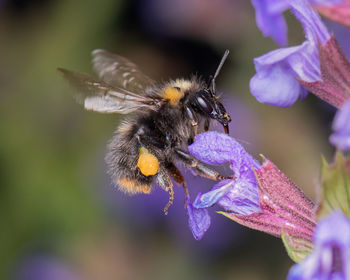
pixel 199 167
pixel 177 176
pixel 164 181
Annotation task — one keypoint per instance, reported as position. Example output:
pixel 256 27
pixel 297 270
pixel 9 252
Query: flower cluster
pixel 260 196
pixel 318 64
pixel 263 198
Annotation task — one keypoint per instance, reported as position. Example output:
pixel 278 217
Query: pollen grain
pixel 147 163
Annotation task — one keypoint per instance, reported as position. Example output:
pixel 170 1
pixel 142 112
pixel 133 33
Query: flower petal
pixel 270 20
pixel 210 198
pixel 274 81
pixel 198 220
pixel 217 148
pixel 242 198
pixel 314 28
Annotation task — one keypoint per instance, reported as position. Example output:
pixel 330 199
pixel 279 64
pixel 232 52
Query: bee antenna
pixel 212 82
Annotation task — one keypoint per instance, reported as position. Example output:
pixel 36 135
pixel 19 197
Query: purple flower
pixel 239 196
pixel 341 135
pixel 330 259
pixel 275 80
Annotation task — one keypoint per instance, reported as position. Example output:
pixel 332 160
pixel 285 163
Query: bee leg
pixel 206 125
pixel 194 123
pixel 164 181
pixel 176 174
pixel 199 167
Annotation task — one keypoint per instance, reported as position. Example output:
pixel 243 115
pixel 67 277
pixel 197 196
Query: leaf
pixel 335 187
pixel 297 248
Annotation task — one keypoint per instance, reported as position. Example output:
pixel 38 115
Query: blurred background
pixel 60 216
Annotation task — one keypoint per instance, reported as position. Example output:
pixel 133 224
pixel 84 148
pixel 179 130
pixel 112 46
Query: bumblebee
pixel 162 120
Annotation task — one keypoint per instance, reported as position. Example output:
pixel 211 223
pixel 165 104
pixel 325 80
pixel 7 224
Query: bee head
pixel 207 103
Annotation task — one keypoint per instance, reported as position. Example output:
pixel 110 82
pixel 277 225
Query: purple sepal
pixel 341 135
pixel 330 258
pixel 274 82
pixel 198 220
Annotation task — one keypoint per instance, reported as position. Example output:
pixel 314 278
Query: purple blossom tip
pixel 198 220
pixel 217 148
pixel 330 258
pixel 341 128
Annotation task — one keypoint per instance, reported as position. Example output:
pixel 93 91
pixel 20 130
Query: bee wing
pixel 119 71
pixel 98 96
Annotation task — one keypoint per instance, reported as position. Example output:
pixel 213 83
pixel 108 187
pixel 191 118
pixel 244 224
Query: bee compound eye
pixel 204 105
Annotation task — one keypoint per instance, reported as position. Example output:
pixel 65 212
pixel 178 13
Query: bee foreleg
pixel 193 119
pixel 199 167
pixel 164 181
